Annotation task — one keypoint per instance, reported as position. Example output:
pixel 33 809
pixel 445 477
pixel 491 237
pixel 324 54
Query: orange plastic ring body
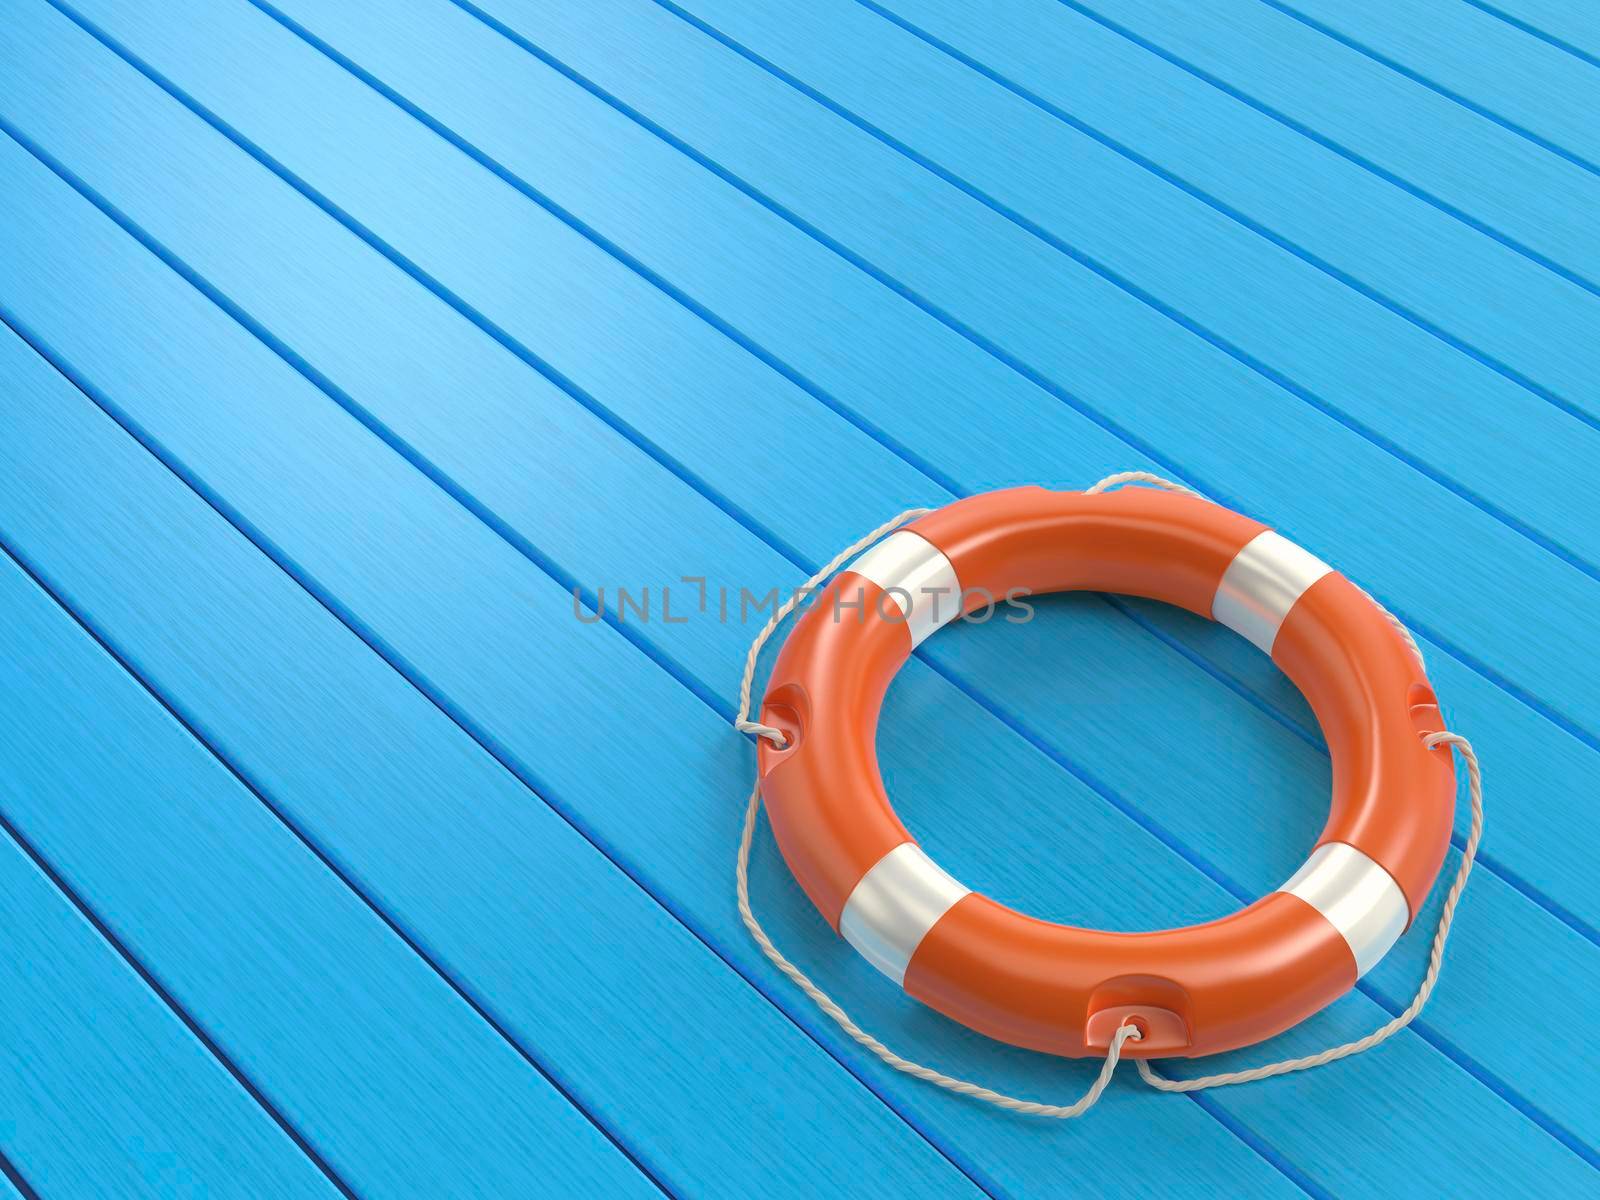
pixel 1055 988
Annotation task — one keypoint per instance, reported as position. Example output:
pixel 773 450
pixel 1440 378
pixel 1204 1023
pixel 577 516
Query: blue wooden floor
pixel 345 340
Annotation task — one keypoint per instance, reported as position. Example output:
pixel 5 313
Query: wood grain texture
pixel 1485 293
pixel 101 1080
pixel 1569 24
pixel 1297 322
pixel 452 313
pixel 336 1021
pixel 1320 71
pixel 1545 92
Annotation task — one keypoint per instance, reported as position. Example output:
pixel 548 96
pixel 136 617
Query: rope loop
pixel 757 729
pixel 1125 1032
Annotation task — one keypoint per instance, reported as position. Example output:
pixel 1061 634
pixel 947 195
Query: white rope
pixel 1126 1032
pixel 1122 477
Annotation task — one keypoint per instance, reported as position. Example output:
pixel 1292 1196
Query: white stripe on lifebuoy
pixel 1360 899
pixel 895 904
pixel 920 578
pixel 1262 584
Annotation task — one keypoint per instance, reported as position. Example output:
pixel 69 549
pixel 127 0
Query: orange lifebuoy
pixel 1064 990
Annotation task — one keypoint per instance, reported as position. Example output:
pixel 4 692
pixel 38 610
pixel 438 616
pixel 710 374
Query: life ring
pixel 1064 990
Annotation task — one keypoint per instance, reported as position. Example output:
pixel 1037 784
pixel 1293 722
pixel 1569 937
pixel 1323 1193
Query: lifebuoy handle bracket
pixel 1158 1008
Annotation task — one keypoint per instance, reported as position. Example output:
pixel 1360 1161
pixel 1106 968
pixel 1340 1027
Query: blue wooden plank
pixel 1369 1018
pixel 100 1083
pixel 1570 25
pixel 1387 239
pixel 361 762
pixel 394 1081
pixel 1282 312
pixel 1298 323
pixel 1468 158
pixel 1542 91
pixel 482 654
